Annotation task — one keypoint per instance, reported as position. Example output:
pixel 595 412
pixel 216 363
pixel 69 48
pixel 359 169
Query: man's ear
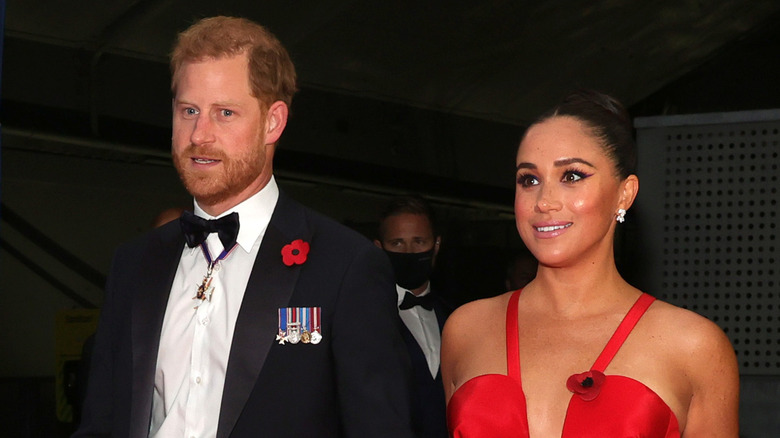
pixel 275 121
pixel 436 246
pixel 378 243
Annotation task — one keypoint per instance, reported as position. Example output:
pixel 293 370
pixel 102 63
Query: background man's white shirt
pixel 424 327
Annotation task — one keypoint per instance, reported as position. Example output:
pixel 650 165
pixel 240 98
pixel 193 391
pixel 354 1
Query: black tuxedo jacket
pixel 354 383
pixel 429 418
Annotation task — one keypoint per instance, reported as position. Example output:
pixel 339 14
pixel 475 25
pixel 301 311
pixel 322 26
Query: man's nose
pixel 202 132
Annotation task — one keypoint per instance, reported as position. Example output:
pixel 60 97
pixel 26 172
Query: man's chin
pixel 210 199
pixel 205 192
pixel 213 188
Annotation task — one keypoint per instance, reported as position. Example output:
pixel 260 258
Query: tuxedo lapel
pixel 441 314
pixel 150 299
pixel 416 353
pixel 270 286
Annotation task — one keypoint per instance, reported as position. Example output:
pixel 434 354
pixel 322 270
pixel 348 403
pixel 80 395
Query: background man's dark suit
pixel 348 380
pixel 429 413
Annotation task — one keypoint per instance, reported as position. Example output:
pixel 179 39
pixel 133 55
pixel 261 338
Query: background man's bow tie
pixel 411 300
pixel 196 229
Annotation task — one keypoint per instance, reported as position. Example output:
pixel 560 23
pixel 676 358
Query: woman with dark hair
pixel 599 357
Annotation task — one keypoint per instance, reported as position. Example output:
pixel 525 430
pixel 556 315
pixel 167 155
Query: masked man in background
pixel 408 236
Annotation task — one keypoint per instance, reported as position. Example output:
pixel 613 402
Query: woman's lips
pixel 549 230
pixel 552 227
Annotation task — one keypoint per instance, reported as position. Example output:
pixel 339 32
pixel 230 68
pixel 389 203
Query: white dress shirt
pixel 424 327
pixel 196 336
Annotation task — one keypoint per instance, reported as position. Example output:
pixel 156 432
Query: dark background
pixel 395 97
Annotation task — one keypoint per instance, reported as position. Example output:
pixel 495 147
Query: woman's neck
pixel 574 291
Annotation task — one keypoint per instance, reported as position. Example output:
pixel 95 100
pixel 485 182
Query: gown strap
pixel 622 332
pixel 512 338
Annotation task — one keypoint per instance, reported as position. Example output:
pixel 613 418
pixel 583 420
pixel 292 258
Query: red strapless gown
pixel 493 405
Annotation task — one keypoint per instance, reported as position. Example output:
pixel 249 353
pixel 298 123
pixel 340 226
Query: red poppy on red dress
pixel 587 385
pixel 295 253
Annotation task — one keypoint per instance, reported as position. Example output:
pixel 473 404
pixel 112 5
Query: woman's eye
pixel 527 180
pixel 571 177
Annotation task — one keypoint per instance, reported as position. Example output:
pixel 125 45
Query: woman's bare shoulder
pixel 473 341
pixel 705 356
pixel 688 333
pixel 674 318
pixel 466 327
pixel 478 312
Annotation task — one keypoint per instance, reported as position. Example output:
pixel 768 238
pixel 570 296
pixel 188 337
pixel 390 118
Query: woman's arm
pixel 714 377
pixel 449 352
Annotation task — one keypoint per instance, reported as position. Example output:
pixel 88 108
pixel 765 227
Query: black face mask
pixel 412 270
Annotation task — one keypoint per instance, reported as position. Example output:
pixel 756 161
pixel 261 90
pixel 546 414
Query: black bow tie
pixel 411 300
pixel 196 229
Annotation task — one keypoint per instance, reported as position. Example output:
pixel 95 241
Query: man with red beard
pixel 252 316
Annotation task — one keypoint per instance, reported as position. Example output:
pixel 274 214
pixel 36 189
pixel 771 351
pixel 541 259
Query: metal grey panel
pixel 708 212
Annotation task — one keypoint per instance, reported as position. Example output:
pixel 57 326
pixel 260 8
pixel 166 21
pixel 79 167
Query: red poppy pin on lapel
pixel 295 253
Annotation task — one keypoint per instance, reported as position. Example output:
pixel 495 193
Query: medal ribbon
pixel 315 326
pixel 305 320
pixel 211 263
pixel 222 256
pixel 283 320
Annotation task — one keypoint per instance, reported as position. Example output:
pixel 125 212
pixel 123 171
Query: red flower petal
pixel 295 253
pixel 587 385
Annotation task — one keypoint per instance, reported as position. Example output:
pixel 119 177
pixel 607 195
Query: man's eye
pixel 190 111
pixel 227 112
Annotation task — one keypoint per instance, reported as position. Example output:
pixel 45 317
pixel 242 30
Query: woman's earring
pixel 621 215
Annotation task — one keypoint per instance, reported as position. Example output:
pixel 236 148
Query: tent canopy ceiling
pixel 497 60
pixel 426 96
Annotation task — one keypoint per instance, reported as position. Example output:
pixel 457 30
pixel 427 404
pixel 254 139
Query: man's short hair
pixel 412 204
pixel 271 71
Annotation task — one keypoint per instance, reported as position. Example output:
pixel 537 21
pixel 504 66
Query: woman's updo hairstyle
pixel 607 120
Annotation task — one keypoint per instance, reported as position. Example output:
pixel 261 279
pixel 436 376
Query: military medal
pixel 316 314
pixel 305 334
pixel 281 336
pixel 293 332
pixel 205 289
pixel 299 324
